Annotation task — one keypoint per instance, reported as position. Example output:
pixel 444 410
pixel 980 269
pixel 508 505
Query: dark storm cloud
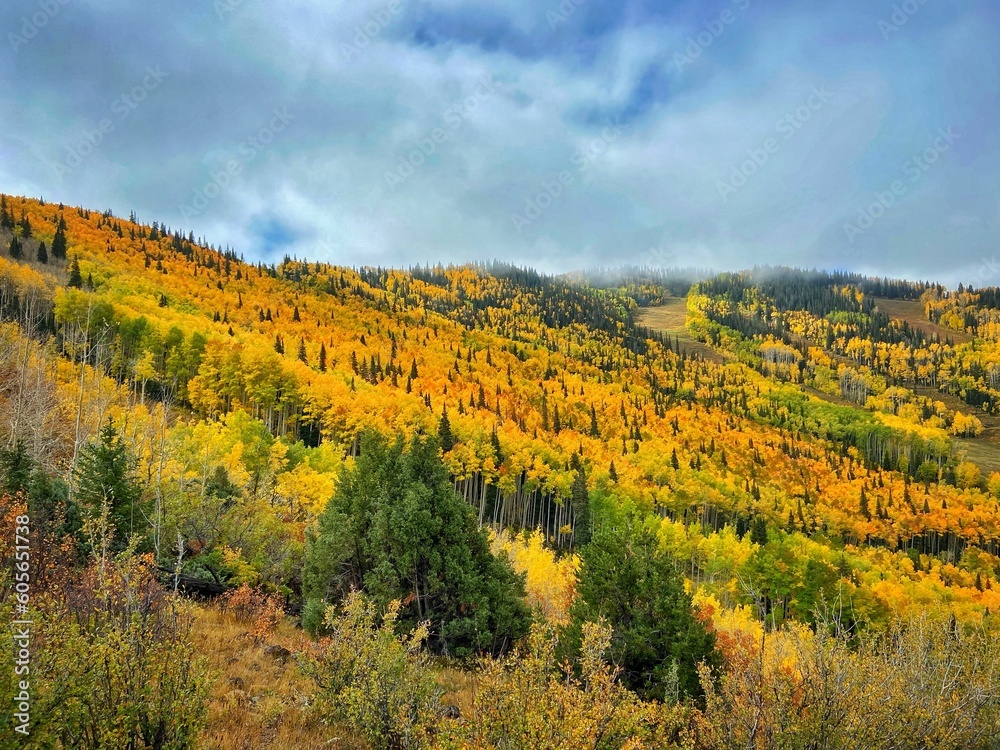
pixel 560 134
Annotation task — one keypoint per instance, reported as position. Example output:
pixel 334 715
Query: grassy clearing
pixel 671 318
pixel 912 312
pixel 258 701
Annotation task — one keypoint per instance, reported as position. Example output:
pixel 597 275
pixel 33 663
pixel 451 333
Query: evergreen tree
pixel 104 476
pixel 15 469
pixel 42 254
pixel 75 279
pixel 580 504
pixel 322 357
pixel 59 242
pixel 49 507
pixel 758 531
pixel 397 529
pixel 497 450
pixel 6 219
pixel 15 249
pixel 445 437
pixel 658 642
pixel 47 503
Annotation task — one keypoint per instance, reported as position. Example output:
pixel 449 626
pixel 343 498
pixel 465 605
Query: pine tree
pixel 625 579
pixel 75 279
pixel 758 531
pixel 396 529
pixel 15 249
pixel 495 446
pixel 595 430
pixel 42 255
pixel 16 467
pixel 322 357
pixel 6 219
pixel 59 242
pixel 104 477
pixel 444 432
pixel 302 351
pixel 580 504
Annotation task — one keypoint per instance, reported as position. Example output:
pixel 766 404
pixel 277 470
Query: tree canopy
pixel 629 583
pixel 397 529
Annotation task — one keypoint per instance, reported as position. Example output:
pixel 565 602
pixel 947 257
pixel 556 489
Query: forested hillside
pixel 438 471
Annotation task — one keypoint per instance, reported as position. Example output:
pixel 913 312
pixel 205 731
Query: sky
pixel 558 134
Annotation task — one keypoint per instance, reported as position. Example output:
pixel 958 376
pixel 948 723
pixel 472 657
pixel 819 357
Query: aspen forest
pixel 301 505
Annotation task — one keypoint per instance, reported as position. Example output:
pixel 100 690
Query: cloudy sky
pixel 860 134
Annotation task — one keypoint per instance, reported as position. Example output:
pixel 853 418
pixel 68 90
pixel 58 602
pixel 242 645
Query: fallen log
pixel 192 586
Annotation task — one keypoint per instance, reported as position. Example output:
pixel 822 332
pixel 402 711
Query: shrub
pixel 260 611
pixel 111 662
pixel 922 684
pixel 528 701
pixel 372 680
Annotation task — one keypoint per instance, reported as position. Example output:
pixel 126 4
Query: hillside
pixel 790 439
